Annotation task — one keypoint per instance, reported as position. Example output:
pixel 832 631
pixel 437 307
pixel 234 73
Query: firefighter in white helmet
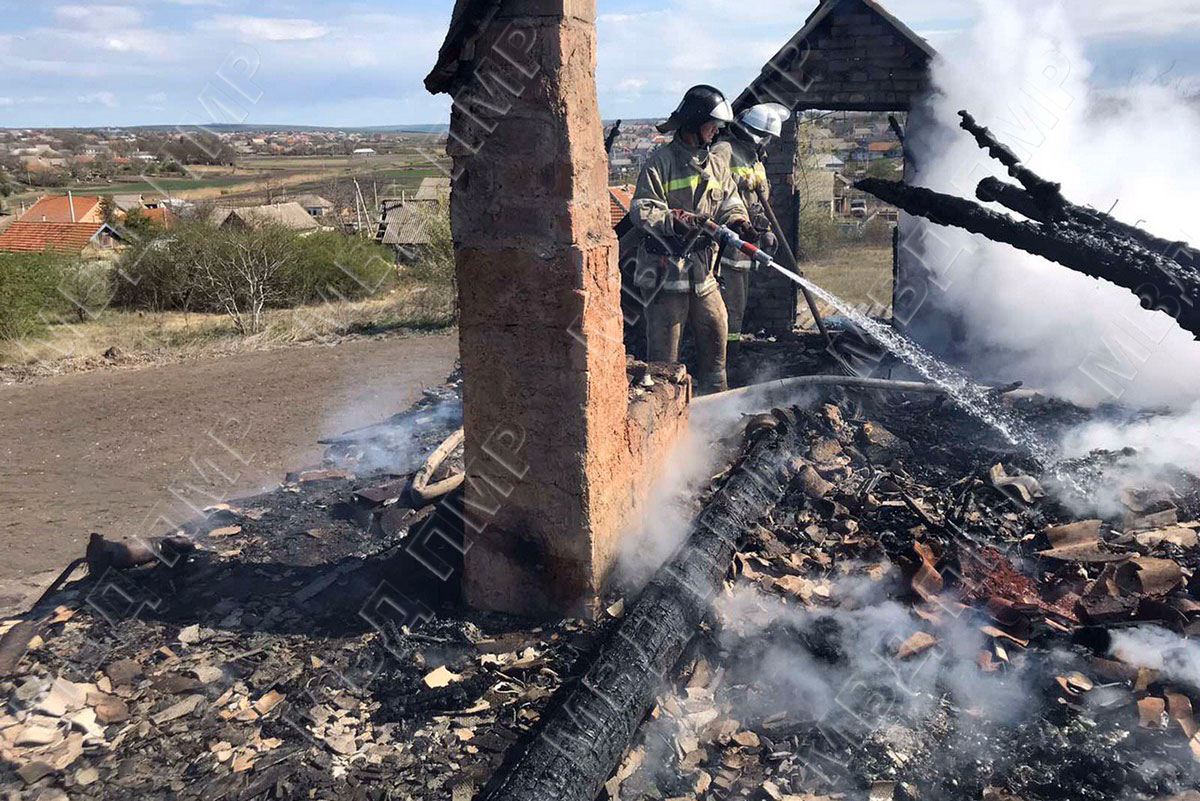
pixel 675 260
pixel 744 145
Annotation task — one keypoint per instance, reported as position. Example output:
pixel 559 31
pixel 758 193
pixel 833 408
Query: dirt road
pixel 126 452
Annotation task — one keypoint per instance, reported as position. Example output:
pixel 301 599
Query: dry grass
pixel 145 337
pixel 858 274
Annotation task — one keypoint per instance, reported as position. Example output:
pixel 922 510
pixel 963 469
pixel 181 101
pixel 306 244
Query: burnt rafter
pixel 1046 194
pixel 1163 274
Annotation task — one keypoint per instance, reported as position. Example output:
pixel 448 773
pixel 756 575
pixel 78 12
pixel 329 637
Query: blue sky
pixel 131 62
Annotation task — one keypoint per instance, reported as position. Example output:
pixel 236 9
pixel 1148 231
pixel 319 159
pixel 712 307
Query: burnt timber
pixel 1163 274
pixel 582 741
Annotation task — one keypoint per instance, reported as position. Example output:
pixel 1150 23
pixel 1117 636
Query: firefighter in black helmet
pixel 675 261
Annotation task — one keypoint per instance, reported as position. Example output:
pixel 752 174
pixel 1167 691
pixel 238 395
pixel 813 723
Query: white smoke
pixel 1178 659
pixel 670 504
pixel 1023 73
pixel 866 638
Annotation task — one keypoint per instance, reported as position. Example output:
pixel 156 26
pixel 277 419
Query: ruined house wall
pixel 850 56
pixel 555 464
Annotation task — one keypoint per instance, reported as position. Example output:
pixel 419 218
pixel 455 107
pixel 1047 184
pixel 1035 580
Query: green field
pixel 168 184
pixel 293 174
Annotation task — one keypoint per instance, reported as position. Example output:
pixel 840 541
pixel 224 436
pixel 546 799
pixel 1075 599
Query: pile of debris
pixel 302 649
pixel 920 620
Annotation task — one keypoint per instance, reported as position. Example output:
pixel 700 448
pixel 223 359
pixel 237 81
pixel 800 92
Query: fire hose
pixel 726 238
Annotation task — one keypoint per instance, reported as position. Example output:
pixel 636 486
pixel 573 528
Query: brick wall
pixel 556 466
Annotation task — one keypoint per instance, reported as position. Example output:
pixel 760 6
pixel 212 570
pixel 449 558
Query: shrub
pixel 156 274
pixel 435 263
pixel 27 291
pixel 877 232
pixel 819 235
pixel 140 226
pixel 244 272
pixel 85 288
pixel 330 266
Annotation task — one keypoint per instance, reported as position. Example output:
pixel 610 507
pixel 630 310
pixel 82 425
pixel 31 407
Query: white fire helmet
pixel 763 120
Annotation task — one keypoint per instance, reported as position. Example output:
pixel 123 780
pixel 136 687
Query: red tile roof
pixel 24 236
pixel 883 147
pixel 55 209
pixel 619 200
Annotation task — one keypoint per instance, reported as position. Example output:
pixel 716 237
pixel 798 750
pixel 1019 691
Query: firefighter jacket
pixel 680 177
pixel 749 175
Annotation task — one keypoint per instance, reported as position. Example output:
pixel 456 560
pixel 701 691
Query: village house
pixel 315 205
pixel 290 215
pixel 79 238
pixel 65 209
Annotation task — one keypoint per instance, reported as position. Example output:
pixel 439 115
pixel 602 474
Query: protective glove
pixel 684 224
pixel 745 230
pixel 750 183
pixel 768 242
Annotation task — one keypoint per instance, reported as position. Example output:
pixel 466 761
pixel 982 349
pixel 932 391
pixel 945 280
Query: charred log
pixel 1013 197
pixel 1046 194
pixel 582 740
pixel 1162 283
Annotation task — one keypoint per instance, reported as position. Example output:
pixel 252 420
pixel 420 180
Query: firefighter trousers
pixel 736 291
pixel 666 316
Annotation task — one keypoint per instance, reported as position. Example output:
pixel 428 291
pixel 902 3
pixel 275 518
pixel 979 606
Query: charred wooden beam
pixel 1043 201
pixel 582 740
pixel 1161 283
pixel 1020 201
pixel 611 137
pixel 1046 194
pixel 1014 198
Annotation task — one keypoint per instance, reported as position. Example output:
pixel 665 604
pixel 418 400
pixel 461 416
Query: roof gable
pixel 850 54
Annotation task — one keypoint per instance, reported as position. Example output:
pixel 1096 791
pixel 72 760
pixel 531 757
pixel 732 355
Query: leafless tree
pixel 247 273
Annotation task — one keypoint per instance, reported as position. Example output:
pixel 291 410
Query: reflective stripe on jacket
pixel 749 173
pixel 680 177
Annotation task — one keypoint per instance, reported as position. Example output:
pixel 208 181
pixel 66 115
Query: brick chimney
pixel 558 457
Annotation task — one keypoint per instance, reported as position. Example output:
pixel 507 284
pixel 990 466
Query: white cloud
pixel 99 17
pixel 266 29
pixel 101 98
pixel 1110 18
pixel 6 101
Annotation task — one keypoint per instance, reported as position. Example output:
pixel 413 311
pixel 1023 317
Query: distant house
pixel 161 215
pixel 620 198
pixel 827 161
pixel 25 236
pixel 406 229
pixel 315 205
pixel 65 209
pixel 826 189
pixel 363 151
pixel 883 150
pixel 289 215
pixel 126 203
